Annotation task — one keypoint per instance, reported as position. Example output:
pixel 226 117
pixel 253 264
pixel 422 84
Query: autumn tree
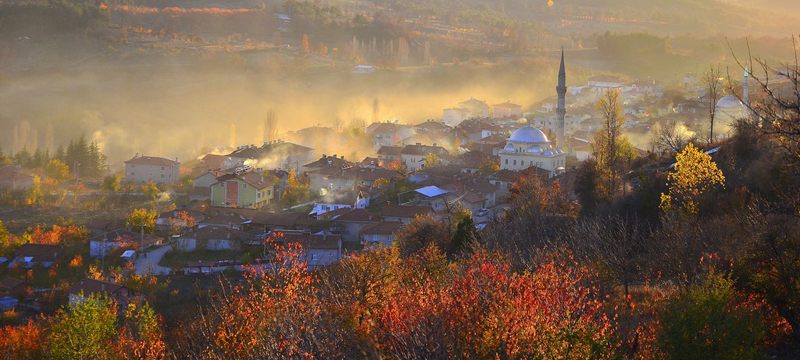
pixel 57 170
pixel 432 160
pixel 298 189
pixel 611 149
pixel 151 191
pixel 112 183
pixel 23 342
pixel 694 174
pixel 84 330
pixel 142 219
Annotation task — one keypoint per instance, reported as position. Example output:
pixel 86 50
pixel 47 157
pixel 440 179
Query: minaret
pixel 746 93
pixel 561 111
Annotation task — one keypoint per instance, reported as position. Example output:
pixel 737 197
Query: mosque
pixel 529 146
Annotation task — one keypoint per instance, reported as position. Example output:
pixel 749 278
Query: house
pixel 327 162
pixel 390 154
pixel 332 179
pixel 287 221
pixel 214 162
pixel 249 189
pixel 321 249
pixel 507 110
pixel 13 287
pixel 432 127
pixel 431 196
pixel 30 255
pixel 213 238
pixel 350 223
pixel 81 290
pixel 177 219
pixel 381 234
pixel 324 208
pixel 388 133
pixel 503 180
pixel 276 154
pixel 201 185
pixel 370 163
pixel 142 169
pixel 413 156
pixel 475 108
pixel 366 177
pixel 109 241
pixel 14 178
pixel 403 214
pixel 229 219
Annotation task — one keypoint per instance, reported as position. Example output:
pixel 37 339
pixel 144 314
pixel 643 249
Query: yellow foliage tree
pixel 695 173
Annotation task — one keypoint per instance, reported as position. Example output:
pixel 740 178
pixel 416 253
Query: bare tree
pixel 670 137
pixel 712 80
pixel 775 110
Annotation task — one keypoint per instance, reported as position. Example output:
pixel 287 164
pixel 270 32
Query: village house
pixel 381 234
pixel 14 178
pixel 327 162
pixel 350 223
pixel 274 155
pixel 81 290
pixel 414 156
pixel 390 155
pixel 430 196
pixel 30 255
pixel 214 238
pixel 13 287
pixel 388 133
pixel 403 214
pixel 319 250
pixel 142 169
pixel 507 110
pixel 107 242
pixel 250 189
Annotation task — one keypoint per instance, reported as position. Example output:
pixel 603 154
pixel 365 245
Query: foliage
pixel 141 218
pixel 612 151
pixel 432 160
pixel 57 170
pixel 298 189
pixel 112 183
pixel 694 174
pixel 706 322
pixel 151 191
pixel 23 342
pixel 84 330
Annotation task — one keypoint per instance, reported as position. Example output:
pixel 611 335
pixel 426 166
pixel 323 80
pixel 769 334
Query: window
pixel 506 161
pixel 162 176
pixel 162 168
pixel 515 162
pixel 133 174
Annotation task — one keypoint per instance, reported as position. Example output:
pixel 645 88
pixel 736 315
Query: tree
pixel 298 189
pixel 141 218
pixel 694 174
pixel 709 322
pixel 432 160
pixel 57 170
pixel 35 195
pixel 23 342
pixel 423 231
pixel 112 183
pixel 712 81
pixel 84 330
pixel 151 191
pixel 610 146
pixel 670 137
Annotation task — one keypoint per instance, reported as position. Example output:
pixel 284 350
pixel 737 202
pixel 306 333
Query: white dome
pixel 535 149
pixel 727 102
pixel 528 135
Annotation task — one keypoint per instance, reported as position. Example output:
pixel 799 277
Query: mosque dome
pixel 549 153
pixel 728 102
pixel 528 135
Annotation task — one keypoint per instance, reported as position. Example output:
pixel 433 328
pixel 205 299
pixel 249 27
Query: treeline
pixel 83 158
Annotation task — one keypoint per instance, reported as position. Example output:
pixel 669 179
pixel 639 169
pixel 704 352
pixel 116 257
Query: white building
pixel 529 146
pixel 507 110
pixel 142 169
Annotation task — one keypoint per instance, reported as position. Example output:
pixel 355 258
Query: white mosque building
pixel 530 147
